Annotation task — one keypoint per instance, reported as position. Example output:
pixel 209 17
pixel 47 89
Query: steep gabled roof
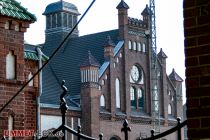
pixel 89 61
pixel 146 11
pixel 12 8
pixel 66 63
pixel 161 54
pixel 122 5
pixel 175 77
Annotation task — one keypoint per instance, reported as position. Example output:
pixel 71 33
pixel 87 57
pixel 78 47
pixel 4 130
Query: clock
pixel 136 73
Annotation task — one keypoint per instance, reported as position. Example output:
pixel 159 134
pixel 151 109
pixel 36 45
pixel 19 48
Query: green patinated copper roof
pixel 12 8
pixel 30 55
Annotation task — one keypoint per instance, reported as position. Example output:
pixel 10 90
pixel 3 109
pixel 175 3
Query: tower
pixel 146 16
pixel 177 82
pixel 122 19
pixel 61 17
pixel 162 76
pixel 90 96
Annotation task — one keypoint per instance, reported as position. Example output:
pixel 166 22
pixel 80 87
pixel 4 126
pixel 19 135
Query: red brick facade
pixel 23 107
pixel 197 52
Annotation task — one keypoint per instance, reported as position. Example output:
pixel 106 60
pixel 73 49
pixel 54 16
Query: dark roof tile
pixel 12 8
pixel 61 6
pixel 161 54
pixel 146 11
pixel 65 64
pixel 175 77
pixel 122 5
pixel 90 61
pixel 109 42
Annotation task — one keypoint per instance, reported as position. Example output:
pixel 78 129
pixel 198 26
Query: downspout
pixel 40 93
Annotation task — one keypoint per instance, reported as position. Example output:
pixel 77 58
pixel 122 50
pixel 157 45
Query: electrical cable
pixel 52 55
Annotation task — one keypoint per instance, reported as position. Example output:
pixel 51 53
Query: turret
pixel 90 95
pixel 61 17
pixel 163 94
pixel 177 82
pixel 146 15
pixel 109 49
pixel 122 19
pixel 162 56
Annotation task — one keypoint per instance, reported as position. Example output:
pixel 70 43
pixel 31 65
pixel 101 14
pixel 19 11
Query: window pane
pixel 102 101
pixel 139 47
pixel 10 66
pixel 117 92
pixel 129 45
pixel 134 45
pixel 132 97
pixel 140 98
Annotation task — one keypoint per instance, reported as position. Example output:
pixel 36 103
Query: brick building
pixel 108 75
pixel 16 68
pixel 197 50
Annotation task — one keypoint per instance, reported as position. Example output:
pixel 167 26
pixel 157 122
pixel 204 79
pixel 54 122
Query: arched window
pixel 139 47
pixel 117 92
pixel 129 45
pixel 7 24
pixel 134 46
pixel 10 66
pixel 133 97
pixel 169 109
pixel 31 83
pixel 140 98
pixel 143 47
pixel 102 101
pixel 10 124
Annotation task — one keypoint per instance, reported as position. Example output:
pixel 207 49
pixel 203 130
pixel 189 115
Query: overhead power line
pixel 52 55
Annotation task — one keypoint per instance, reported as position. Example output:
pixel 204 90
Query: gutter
pixel 40 92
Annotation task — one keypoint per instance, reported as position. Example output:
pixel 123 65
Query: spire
pixel 90 61
pixel 122 5
pixel 146 11
pixel 161 54
pixel 175 77
pixel 109 42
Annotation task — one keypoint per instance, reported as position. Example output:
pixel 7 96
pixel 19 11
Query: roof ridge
pixel 14 9
pixel 98 33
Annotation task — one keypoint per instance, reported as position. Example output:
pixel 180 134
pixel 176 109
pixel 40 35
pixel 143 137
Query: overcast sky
pixel 103 16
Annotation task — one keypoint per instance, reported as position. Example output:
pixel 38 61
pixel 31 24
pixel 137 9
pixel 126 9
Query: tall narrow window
pixel 6 26
pixel 31 83
pixel 10 66
pixel 133 97
pixel 140 98
pixel 169 109
pixel 143 47
pixel 139 47
pixel 134 46
pixel 102 101
pixel 10 124
pixel 117 92
pixel 129 45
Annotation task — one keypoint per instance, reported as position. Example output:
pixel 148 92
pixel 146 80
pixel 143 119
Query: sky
pixel 103 16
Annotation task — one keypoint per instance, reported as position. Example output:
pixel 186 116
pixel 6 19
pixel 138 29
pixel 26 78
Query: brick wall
pixel 197 52
pixel 23 107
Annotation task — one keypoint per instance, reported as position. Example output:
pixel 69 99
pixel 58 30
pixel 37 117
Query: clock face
pixel 135 73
